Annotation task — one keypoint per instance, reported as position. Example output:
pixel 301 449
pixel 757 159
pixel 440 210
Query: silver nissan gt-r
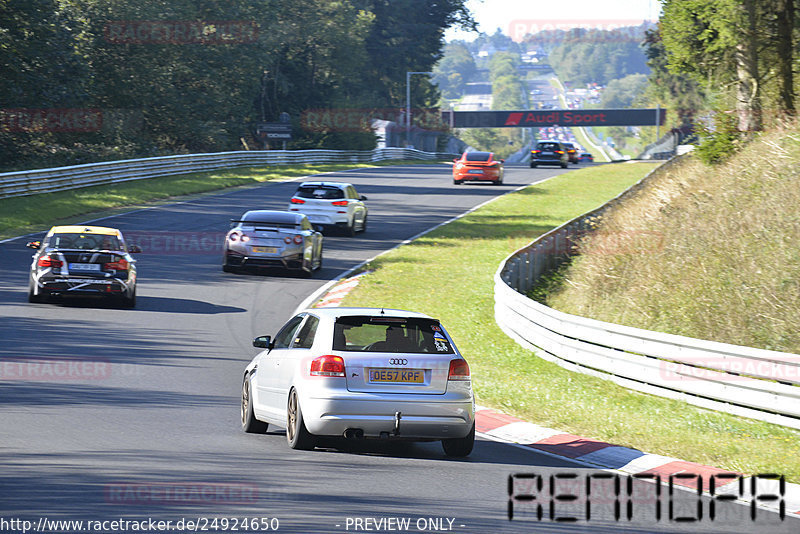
pixel 263 238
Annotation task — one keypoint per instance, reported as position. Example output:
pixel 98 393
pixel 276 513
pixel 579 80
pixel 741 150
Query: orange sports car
pixel 478 167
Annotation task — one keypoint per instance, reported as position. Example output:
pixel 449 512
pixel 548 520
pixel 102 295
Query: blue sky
pixel 515 16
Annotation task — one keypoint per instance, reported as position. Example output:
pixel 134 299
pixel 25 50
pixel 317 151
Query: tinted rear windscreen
pixel 85 241
pixel 550 147
pixel 323 193
pixel 478 156
pixel 390 334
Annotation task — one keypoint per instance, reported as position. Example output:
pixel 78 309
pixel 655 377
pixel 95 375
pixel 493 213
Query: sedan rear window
pixel 319 192
pixel 390 334
pixel 84 242
pixel 548 146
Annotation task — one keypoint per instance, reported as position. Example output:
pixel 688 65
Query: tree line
pixel 196 76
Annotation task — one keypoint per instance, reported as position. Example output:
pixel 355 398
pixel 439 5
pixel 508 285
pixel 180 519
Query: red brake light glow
pixel 328 365
pixel 47 261
pixel 119 265
pixel 339 203
pixel 297 201
pixel 459 370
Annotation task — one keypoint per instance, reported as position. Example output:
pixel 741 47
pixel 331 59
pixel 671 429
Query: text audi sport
pixel 361 373
pixel 83 260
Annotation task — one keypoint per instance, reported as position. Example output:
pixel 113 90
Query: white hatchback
pixel 361 373
pixel 331 205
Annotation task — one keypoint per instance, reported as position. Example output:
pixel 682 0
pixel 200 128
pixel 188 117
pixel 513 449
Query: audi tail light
pixel 459 370
pixel 297 201
pixel 535 151
pixel 559 151
pixel 48 261
pixel 339 203
pixel 119 265
pixel 328 365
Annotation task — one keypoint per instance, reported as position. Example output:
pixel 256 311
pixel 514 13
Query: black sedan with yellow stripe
pixel 83 261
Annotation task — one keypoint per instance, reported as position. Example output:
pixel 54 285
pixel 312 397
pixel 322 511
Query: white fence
pixel 755 383
pixel 62 178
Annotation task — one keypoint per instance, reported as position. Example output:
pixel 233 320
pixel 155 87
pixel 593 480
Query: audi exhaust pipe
pixel 354 433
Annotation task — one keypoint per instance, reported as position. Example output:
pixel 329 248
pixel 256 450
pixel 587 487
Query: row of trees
pixel 584 56
pixel 196 75
pixel 729 54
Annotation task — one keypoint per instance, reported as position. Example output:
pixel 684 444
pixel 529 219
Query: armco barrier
pixel 749 382
pixel 62 178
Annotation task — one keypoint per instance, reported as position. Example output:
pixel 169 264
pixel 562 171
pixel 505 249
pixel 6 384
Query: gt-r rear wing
pixel 264 225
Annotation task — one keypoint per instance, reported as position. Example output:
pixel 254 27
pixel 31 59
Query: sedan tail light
pixel 459 370
pixel 47 261
pixel 559 151
pixel 297 201
pixel 339 203
pixel 119 265
pixel 328 365
pixel 535 151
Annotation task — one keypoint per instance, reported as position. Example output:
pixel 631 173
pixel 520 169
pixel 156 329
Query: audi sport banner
pixel 554 117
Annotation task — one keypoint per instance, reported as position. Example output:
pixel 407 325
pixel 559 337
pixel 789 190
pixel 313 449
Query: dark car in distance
pixel 549 153
pixel 572 152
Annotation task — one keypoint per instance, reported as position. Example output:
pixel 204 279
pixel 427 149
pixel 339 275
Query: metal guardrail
pixel 23 183
pixel 744 381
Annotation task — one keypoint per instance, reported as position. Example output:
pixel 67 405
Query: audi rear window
pixel 548 146
pixel 320 192
pixel 409 335
pixel 478 156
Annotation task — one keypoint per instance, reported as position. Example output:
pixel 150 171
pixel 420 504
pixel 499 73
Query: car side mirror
pixel 34 244
pixel 263 342
pixel 362 197
pixel 134 249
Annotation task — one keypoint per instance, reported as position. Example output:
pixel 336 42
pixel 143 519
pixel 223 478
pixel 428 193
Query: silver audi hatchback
pixel 361 373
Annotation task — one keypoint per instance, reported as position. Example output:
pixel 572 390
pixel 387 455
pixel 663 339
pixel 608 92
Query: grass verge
pixel 448 273
pixel 22 215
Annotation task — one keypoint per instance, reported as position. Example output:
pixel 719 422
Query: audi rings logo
pixel 398 361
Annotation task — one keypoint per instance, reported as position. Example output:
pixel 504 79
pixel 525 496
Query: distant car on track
pixel 263 238
pixel 572 152
pixel 478 167
pixel 586 157
pixel 549 153
pixel 83 261
pixel 331 205
pixel 361 373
